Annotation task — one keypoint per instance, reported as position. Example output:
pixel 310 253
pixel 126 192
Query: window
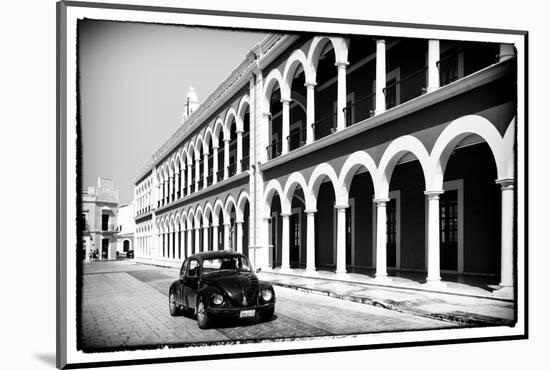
pixel 193 268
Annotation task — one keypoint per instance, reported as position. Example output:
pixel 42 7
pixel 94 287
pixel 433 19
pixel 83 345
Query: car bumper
pixel 236 312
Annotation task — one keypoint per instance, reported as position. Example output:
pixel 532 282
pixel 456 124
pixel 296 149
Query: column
pixel 507 237
pixel 226 236
pixel 342 96
pixel 381 240
pixel 169 244
pixel 197 239
pixel 215 237
pixel 286 125
pixel 285 261
pixel 177 184
pixel 225 158
pixel 215 165
pixel 310 111
pixel 239 150
pixel 205 168
pixel 380 76
pixel 341 238
pixel 189 241
pixel 310 241
pixel 506 52
pixel 433 71
pixel 265 240
pixel 166 195
pixel 197 173
pixel 182 185
pixel 171 190
pixel 189 176
pixel 239 236
pixel 434 276
pixel 205 238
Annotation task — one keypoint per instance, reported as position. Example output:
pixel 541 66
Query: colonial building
pixel 359 154
pixel 126 227
pixel 99 220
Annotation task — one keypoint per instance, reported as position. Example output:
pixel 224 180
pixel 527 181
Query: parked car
pixel 220 284
pixel 130 253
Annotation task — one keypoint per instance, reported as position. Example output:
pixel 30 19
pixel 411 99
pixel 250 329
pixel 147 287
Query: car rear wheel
pixel 202 316
pixel 267 314
pixel 172 305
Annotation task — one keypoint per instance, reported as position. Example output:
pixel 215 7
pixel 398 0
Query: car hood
pixel 236 286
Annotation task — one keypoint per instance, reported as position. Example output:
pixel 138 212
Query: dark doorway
pixel 448 221
pixel 104 222
pixel 104 248
pixel 126 246
pixel 295 239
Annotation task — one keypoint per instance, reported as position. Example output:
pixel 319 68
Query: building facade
pixel 126 227
pixel 348 154
pixel 99 220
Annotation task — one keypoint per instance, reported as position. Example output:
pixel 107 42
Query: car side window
pixel 183 268
pixel 193 270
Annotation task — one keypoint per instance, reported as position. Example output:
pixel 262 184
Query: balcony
pixel 219 174
pixel 245 163
pixel 360 109
pixel 325 126
pixel 274 150
pixel 406 88
pixel 296 139
pixel 232 168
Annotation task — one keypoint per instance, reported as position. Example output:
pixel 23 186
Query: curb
pixel 455 317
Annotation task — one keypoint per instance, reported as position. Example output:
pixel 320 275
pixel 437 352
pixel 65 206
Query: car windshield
pixel 225 263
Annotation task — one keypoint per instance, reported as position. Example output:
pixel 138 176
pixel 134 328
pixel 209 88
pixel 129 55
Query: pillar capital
pixel 215 147
pixel 341 64
pixel 286 215
pixel 433 194
pixel 267 218
pixel 380 41
pixel 310 211
pixel 239 132
pixel 266 115
pixel 506 184
pixel 285 101
pixel 226 140
pixel 381 202
pixel 310 84
pixel 341 207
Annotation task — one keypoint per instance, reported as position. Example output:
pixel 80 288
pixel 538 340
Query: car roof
pixel 216 254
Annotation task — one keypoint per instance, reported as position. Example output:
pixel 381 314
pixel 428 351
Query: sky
pixel 134 80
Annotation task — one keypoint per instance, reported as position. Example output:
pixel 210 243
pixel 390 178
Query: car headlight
pixel 267 295
pixel 217 299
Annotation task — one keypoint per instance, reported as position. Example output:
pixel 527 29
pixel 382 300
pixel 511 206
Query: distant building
pixel 99 218
pixel 125 227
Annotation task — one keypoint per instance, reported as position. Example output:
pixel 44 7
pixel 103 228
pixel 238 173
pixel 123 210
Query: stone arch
pixel 190 219
pixel 241 110
pixel 183 220
pixel 230 116
pixel 199 145
pixel 198 216
pixel 274 77
pixel 218 127
pixel 351 165
pixel 297 58
pixel 455 132
pixel 319 173
pixel 243 197
pixel 207 140
pixel 229 201
pixel 272 187
pixel 393 153
pixel 218 206
pixel 207 211
pixel 295 179
pixel 339 44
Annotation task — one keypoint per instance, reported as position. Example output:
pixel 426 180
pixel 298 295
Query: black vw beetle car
pixel 220 284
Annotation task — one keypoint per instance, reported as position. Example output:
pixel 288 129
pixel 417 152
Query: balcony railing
pixel 245 163
pixel 274 150
pixel 201 182
pixel 448 68
pixel 360 109
pixel 325 126
pixel 410 87
pixel 209 178
pixel 232 169
pixel 296 139
pixel 219 174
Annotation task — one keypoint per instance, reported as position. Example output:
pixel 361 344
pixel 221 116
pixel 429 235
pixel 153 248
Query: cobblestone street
pixel 126 305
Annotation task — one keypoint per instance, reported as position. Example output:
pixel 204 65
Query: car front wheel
pixel 267 314
pixel 172 305
pixel 202 316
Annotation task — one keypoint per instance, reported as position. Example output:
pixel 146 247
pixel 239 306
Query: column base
pixel 311 272
pixel 435 284
pixel 341 274
pixel 382 279
pixel 285 269
pixel 504 291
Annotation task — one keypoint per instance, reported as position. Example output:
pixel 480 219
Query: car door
pixel 180 298
pixel 191 283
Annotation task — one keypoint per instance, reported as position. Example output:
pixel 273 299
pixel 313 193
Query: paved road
pixel 126 305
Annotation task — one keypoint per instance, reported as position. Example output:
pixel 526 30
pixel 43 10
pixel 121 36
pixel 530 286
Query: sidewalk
pixel 455 302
